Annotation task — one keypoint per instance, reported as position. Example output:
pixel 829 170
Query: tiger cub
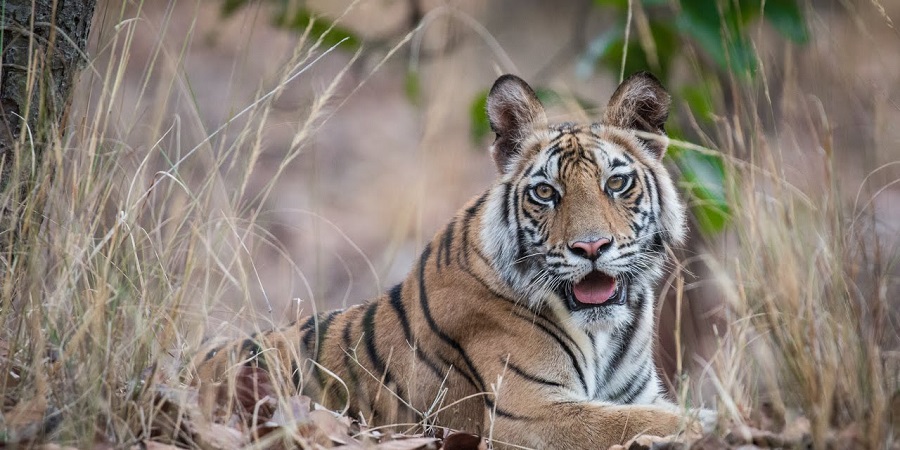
pixel 530 317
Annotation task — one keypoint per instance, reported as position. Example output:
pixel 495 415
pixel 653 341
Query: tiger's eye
pixel 616 183
pixel 544 191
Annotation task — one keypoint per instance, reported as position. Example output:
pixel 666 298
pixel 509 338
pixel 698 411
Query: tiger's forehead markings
pixel 581 148
pixel 566 152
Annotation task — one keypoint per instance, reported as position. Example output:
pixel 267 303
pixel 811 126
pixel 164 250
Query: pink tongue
pixel 595 288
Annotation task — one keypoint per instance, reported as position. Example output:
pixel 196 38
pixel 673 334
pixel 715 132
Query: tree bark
pixel 43 47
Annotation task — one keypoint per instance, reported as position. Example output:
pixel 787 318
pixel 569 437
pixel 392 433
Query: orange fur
pixel 479 336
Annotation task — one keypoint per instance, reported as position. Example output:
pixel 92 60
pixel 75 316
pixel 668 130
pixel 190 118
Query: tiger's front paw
pixel 705 419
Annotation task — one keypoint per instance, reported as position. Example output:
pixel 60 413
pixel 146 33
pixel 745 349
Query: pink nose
pixel 590 250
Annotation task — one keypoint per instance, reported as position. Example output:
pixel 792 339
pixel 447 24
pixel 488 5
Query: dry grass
pixel 128 251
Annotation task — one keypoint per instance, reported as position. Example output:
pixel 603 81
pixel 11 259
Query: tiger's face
pixel 581 214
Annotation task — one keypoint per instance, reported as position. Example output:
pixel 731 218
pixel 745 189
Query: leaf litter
pixel 173 415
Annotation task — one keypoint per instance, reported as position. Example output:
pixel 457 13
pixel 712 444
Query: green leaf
pixel 700 99
pixel 787 18
pixel 618 4
pixel 600 46
pixel 322 28
pixel 607 48
pixel 719 34
pixel 479 124
pixel 623 4
pixel 230 7
pixel 549 97
pixel 703 177
pixel 413 86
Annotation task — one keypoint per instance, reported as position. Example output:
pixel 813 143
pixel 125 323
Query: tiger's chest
pixel 614 366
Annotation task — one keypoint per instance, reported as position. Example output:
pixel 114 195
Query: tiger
pixel 530 317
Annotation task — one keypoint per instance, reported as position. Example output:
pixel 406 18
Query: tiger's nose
pixel 591 249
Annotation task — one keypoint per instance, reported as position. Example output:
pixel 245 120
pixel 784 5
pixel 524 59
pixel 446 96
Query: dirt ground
pixel 382 173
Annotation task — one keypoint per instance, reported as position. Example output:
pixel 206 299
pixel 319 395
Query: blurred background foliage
pixel 714 35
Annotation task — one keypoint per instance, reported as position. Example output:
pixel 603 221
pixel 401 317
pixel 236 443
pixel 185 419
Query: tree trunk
pixel 43 47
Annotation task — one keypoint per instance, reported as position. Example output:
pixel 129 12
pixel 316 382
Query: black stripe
pixel 555 326
pixel 486 286
pixel 626 254
pixel 520 235
pixel 396 300
pixel 530 199
pixel 562 345
pixel 308 334
pixel 626 386
pixel 306 340
pixel 371 349
pixel 446 245
pixel 533 378
pixel 616 162
pixel 483 258
pixel 553 150
pixel 462 255
pixel 654 194
pixel 467 222
pixel 464 374
pixel 321 331
pixel 507 189
pixel 435 369
pixel 624 337
pixel 651 190
pixel 638 197
pixel 308 323
pixel 348 360
pixel 316 333
pixel 395 296
pixel 589 157
pixel 477 205
pixel 630 390
pixel 489 405
pixel 426 311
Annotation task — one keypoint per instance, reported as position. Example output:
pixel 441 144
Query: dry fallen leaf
pixel 710 442
pixel 850 437
pixel 153 445
pixel 464 441
pixel 648 442
pixel 255 393
pixel 294 410
pixel 336 428
pixel 798 430
pixel 218 436
pixel 420 443
pixel 177 420
pixel 768 417
pixel 52 446
pixel 30 419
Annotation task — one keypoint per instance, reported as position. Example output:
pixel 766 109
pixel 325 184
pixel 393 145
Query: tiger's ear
pixel 514 111
pixel 641 103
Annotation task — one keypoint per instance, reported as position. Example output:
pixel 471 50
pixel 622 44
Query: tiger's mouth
pixel 595 290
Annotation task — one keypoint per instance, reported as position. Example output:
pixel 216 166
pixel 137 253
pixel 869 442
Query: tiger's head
pixel 581 213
